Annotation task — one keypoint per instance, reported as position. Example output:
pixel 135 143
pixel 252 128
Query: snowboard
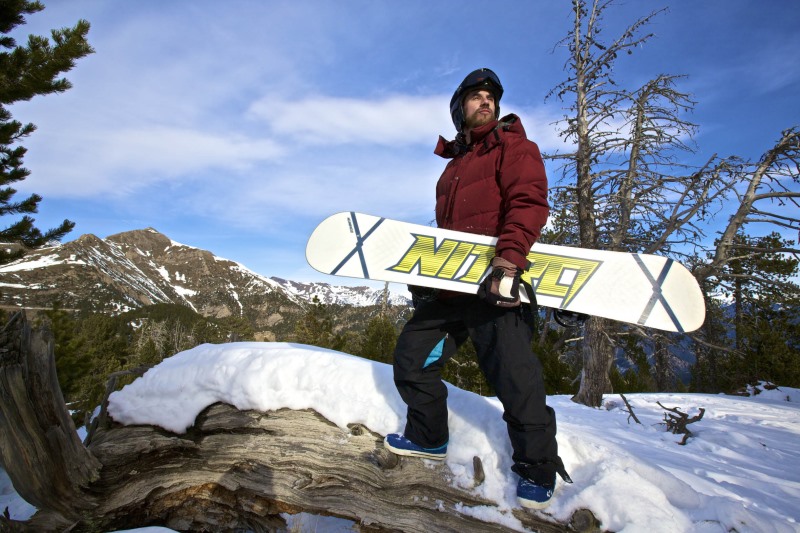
pixel 648 290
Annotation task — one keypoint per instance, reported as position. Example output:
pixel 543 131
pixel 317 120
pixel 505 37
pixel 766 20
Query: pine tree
pixel 462 370
pixel 104 342
pixel 234 329
pixel 25 72
pixel 559 358
pixel 708 372
pixel 380 337
pixel 87 350
pixel 316 328
pixel 765 303
pixel 71 363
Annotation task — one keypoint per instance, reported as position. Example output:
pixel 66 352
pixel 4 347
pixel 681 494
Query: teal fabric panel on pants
pixel 435 354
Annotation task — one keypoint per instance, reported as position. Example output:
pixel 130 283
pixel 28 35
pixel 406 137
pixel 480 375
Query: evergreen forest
pixel 761 339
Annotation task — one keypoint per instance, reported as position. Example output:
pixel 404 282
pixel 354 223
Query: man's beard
pixel 477 119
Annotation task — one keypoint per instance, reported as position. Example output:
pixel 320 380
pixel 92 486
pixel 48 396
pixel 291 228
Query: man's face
pixel 479 108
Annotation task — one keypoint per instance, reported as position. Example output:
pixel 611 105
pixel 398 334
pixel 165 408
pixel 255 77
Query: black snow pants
pixel 502 339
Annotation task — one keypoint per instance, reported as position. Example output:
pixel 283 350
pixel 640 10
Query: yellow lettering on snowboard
pixel 551 275
pixel 559 276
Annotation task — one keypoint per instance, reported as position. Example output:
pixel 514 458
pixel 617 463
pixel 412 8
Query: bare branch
pixel 776 216
pixel 702 342
pixel 630 410
pixel 787 149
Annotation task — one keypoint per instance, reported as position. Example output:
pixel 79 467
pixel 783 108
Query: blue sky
pixel 237 126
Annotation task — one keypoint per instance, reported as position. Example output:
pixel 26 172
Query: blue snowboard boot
pixel 534 496
pixel 537 482
pixel 398 444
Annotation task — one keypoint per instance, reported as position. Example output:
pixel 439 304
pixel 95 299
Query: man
pixel 494 184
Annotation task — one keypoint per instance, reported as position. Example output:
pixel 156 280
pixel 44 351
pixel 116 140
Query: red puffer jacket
pixel 496 186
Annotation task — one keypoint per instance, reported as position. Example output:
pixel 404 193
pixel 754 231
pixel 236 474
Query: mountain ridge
pixel 136 268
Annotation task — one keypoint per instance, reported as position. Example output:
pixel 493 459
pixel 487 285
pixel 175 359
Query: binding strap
pixel 532 299
pixel 563 317
pixel 534 305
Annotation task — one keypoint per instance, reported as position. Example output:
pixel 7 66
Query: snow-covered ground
pixel 739 472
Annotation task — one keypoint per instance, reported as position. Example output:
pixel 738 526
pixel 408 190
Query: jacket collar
pixel 487 136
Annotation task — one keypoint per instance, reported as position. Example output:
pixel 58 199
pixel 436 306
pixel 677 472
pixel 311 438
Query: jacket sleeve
pixel 523 187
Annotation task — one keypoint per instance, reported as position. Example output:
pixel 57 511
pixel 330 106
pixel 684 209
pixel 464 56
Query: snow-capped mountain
pixel 332 294
pixel 144 267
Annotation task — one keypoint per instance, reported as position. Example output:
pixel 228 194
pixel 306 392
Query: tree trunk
pixel 44 458
pixel 661 365
pixel 598 355
pixel 233 470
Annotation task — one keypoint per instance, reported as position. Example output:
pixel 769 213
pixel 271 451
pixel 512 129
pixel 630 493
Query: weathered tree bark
pixel 233 470
pixel 598 355
pixel 39 447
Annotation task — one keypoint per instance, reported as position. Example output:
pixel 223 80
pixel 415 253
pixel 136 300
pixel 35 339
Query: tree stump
pixel 41 451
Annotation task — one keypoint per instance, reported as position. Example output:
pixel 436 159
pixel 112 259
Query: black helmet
pixel 483 77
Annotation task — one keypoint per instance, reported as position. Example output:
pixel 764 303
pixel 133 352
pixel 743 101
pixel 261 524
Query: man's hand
pixel 501 286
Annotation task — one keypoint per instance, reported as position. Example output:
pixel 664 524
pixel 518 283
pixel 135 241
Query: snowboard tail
pixel 643 289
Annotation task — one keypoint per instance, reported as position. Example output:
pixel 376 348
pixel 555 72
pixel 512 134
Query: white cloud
pixel 540 127
pixel 178 151
pixel 318 150
pixel 391 121
pixel 394 120
pixel 117 162
pixel 394 185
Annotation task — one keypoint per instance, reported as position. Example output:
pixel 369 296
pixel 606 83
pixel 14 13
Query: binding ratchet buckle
pixel 569 319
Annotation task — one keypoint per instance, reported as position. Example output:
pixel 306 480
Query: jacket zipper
pixel 451 204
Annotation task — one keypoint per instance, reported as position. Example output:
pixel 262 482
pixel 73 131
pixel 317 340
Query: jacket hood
pixel 488 134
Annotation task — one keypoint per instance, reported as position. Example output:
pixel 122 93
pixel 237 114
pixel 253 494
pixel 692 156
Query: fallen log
pixel 232 470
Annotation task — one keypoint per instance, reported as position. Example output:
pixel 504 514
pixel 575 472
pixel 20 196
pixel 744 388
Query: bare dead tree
pixel 755 268
pixel 596 105
pixel 606 194
pixel 772 182
pixel 625 188
pixel 385 300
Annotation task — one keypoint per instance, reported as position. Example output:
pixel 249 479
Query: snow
pixel 175 244
pixel 18 508
pixel 358 296
pixel 164 272
pixel 43 261
pixel 184 291
pixel 738 472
